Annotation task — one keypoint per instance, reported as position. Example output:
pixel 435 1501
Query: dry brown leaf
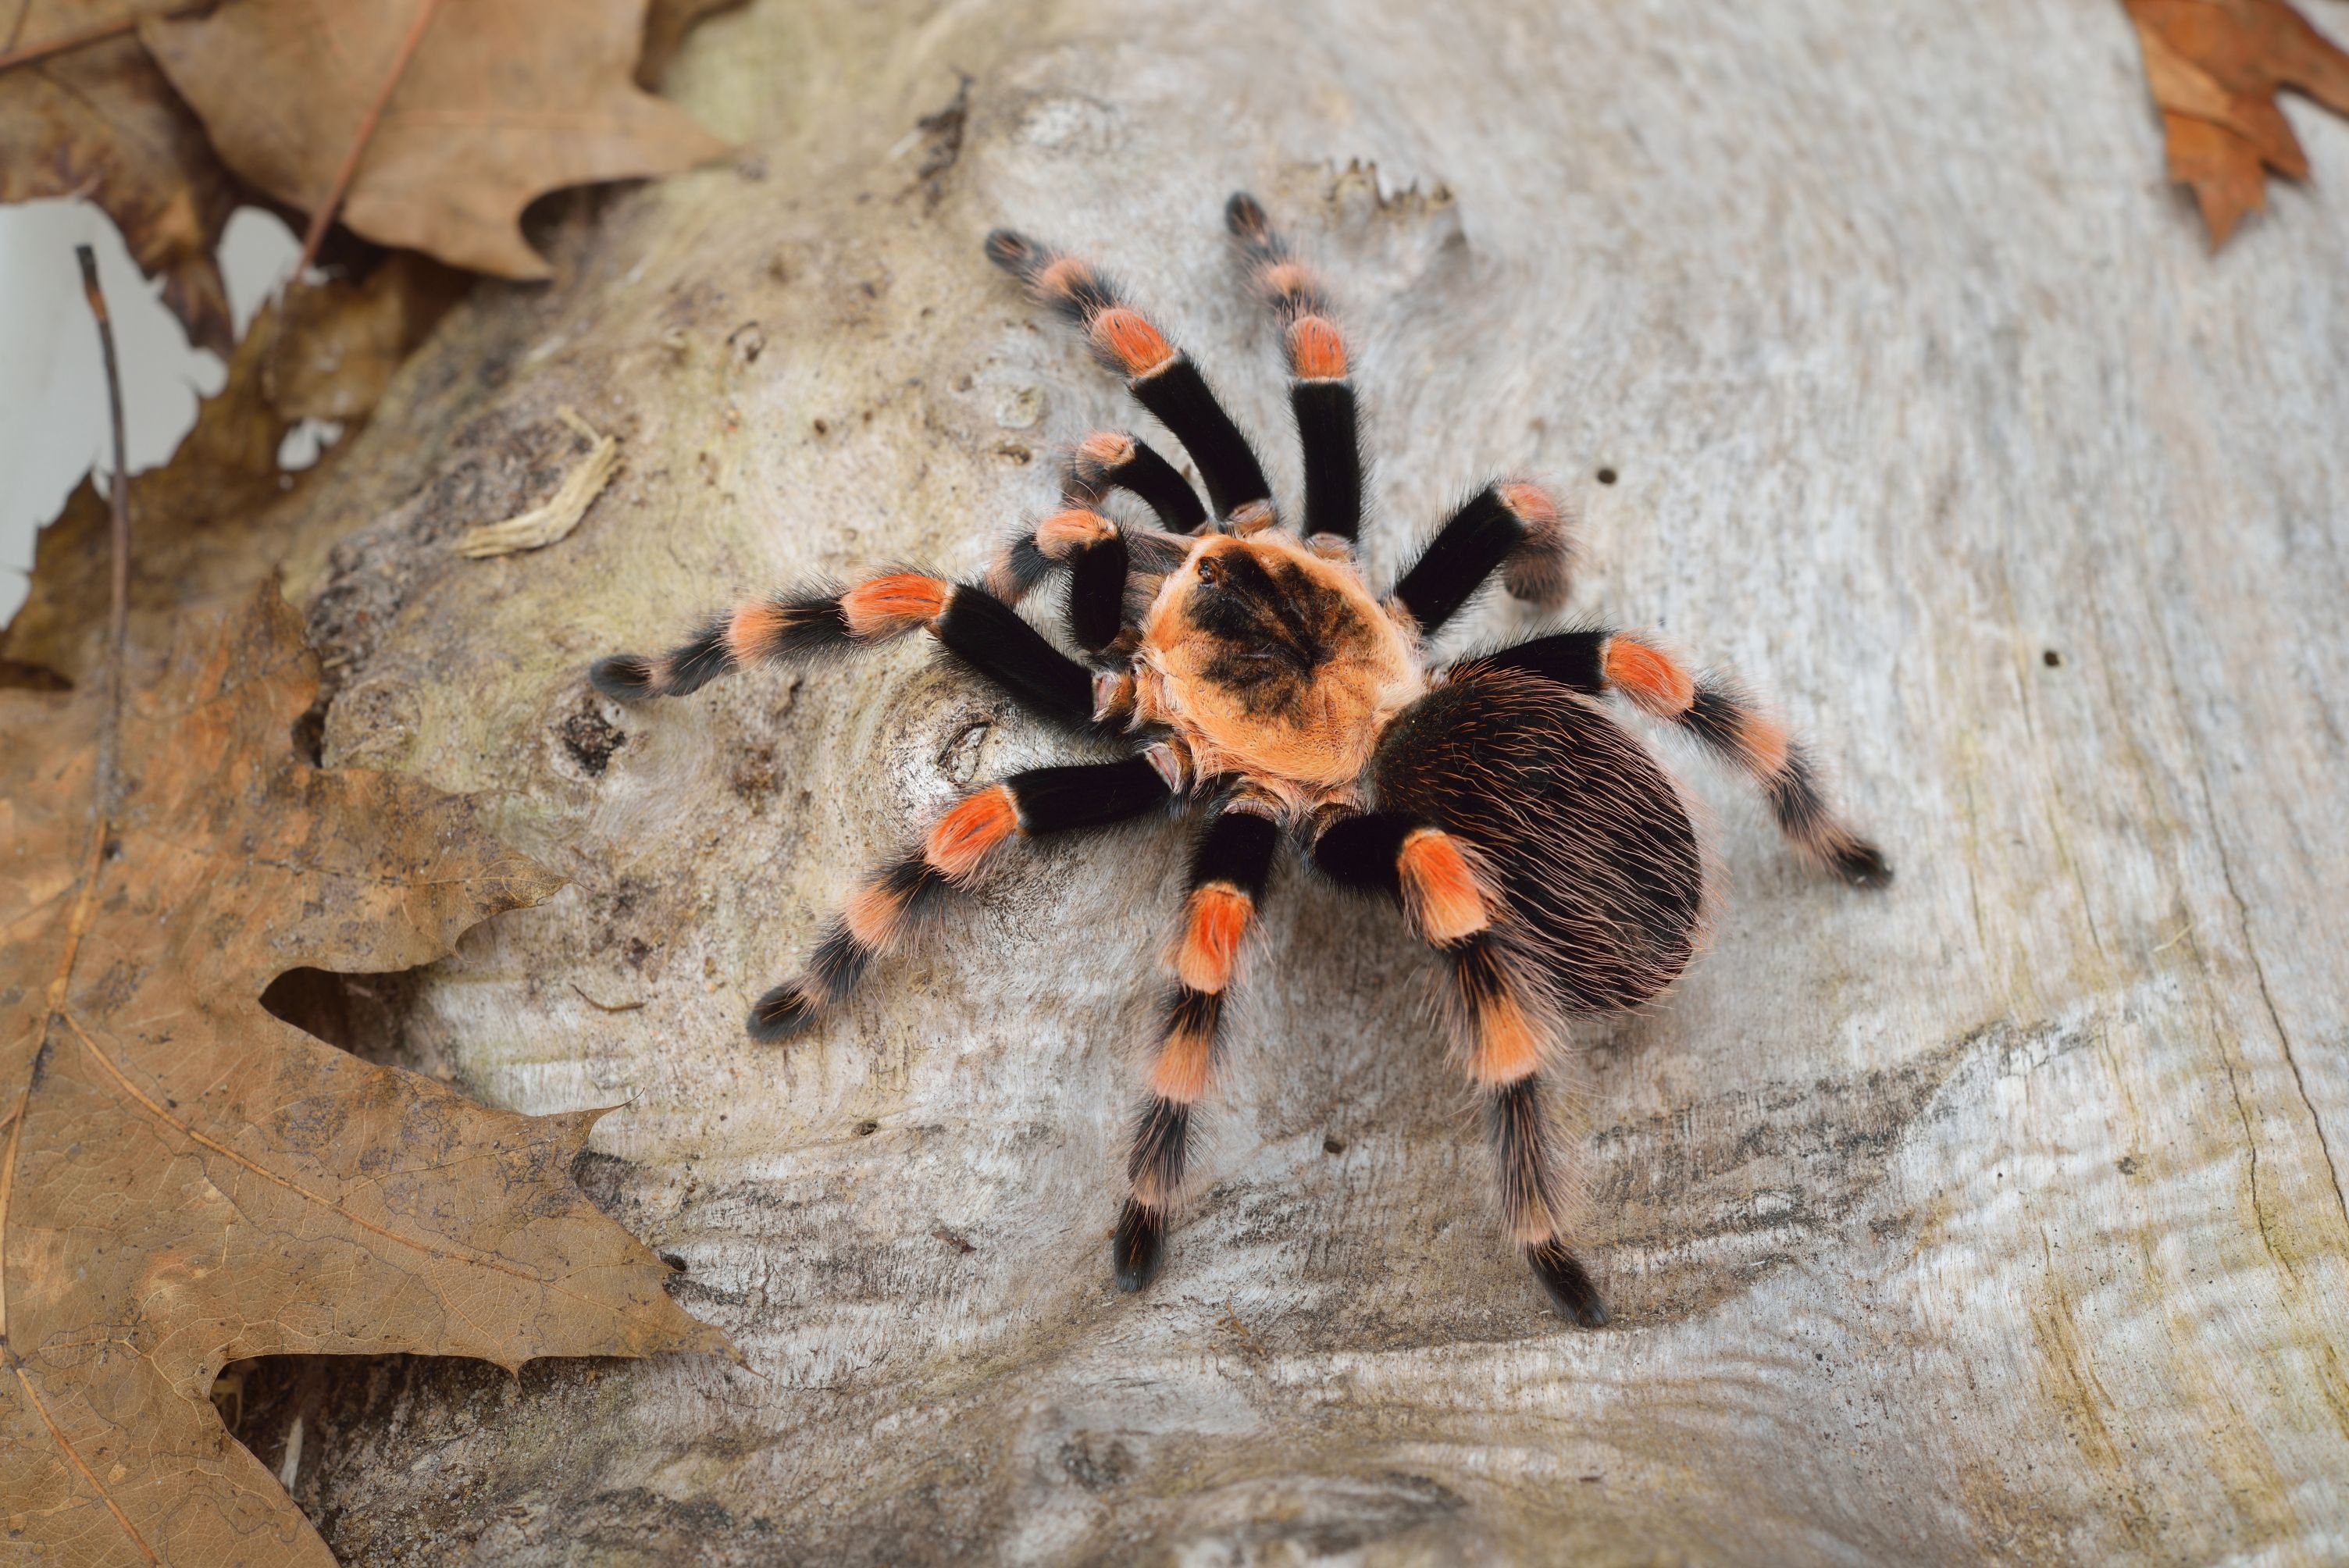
pixel 2215 67
pixel 667 22
pixel 221 515
pixel 101 121
pixel 197 518
pixel 184 1179
pixel 348 338
pixel 504 101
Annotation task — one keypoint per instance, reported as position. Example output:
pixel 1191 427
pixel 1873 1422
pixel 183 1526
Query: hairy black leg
pixel 1721 715
pixel 989 637
pixel 1229 868
pixel 1358 850
pixel 1163 379
pixel 1100 558
pixel 1097 593
pixel 1112 582
pixel 1571 658
pixel 1320 393
pixel 1110 460
pixel 1094 550
pixel 1517 1126
pixel 1514 528
pixel 1499 1013
pixel 1098 551
pixel 903 894
pixel 1098 565
pixel 978 630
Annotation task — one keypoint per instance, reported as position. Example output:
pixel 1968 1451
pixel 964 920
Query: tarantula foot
pixel 1113 697
pixel 1171 759
pixel 1568 1283
pixel 1540 567
pixel 781 1013
pixel 1139 1249
pixel 1861 864
pixel 628 677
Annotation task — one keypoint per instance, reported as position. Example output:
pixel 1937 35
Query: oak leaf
pixel 184 1179
pixel 345 338
pixel 221 515
pixel 2215 67
pixel 100 121
pixel 503 102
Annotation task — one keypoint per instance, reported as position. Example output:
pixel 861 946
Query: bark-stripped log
pixel 1995 1216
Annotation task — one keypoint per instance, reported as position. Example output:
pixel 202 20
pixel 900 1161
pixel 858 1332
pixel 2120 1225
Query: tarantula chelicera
pixel 1251 673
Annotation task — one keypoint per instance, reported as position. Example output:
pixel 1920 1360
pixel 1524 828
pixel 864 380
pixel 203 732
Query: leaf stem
pixel 118 612
pixel 324 218
pixel 118 621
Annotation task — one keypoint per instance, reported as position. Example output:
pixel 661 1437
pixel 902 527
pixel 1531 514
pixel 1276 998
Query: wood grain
pixel 1999 1217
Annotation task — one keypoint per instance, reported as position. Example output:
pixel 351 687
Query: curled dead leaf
pixel 2214 67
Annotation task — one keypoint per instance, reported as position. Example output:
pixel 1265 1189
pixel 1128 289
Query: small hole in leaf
pixel 17 675
pixel 309 735
pixel 364 1015
pixel 1333 1144
pixel 2051 659
pixel 868 1129
pixel 1607 476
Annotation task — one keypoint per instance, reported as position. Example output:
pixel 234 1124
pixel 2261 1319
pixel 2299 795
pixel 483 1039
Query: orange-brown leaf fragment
pixel 184 1179
pixel 2215 68
pixel 503 102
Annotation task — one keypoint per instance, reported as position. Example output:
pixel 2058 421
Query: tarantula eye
pixel 1211 571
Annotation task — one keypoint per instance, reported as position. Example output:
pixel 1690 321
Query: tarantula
pixel 1541 849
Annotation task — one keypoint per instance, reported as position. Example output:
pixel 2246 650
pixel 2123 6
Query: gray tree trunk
pixel 1994 1217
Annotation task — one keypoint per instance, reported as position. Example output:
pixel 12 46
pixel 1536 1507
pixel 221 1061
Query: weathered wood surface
pixel 1997 1217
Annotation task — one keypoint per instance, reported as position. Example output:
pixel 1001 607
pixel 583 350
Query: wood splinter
pixel 553 519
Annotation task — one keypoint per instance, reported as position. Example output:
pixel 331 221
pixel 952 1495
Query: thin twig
pixel 102 797
pixel 604 1006
pixel 324 218
pixel 86 901
pixel 66 42
pixel 118 614
pixel 1248 1341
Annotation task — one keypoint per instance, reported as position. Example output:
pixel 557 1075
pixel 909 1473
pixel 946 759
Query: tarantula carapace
pixel 1252 674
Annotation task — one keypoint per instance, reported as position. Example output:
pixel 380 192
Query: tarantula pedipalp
pixel 1538 847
